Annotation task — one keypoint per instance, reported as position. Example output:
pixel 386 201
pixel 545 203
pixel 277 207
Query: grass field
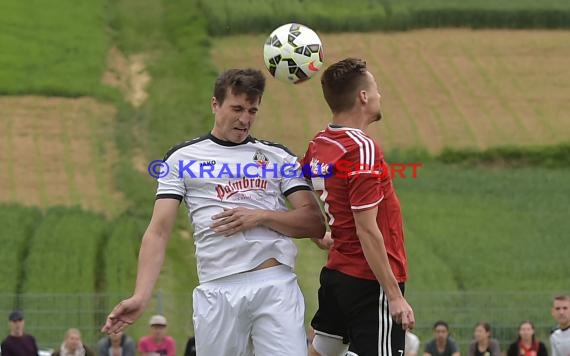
pixel 467 229
pixel 56 50
pixel 444 88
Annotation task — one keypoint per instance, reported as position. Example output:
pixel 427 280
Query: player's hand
pixel 235 220
pixel 123 315
pixel 325 243
pixel 402 313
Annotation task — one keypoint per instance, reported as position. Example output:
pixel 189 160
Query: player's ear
pixel 214 105
pixel 363 96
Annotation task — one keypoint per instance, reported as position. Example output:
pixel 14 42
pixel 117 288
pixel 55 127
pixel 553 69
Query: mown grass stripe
pixel 502 98
pixel 385 80
pixel 8 164
pixel 481 104
pixel 66 119
pixel 539 118
pixel 39 165
pixel 431 107
pixel 460 117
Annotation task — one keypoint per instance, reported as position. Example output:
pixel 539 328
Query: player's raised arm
pixel 151 257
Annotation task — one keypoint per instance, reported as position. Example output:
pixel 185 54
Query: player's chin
pixel 240 135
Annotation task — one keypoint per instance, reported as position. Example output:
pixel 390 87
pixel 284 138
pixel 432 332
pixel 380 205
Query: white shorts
pixel 259 312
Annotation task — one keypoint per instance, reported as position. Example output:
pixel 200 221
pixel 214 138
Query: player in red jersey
pixel 361 299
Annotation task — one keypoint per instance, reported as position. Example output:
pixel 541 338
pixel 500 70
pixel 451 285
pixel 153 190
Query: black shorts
pixel 356 309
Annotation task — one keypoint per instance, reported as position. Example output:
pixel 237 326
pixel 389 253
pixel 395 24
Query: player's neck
pixel 349 119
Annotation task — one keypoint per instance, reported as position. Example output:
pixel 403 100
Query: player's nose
pixel 245 118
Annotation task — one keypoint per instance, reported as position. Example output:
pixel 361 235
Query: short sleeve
pixel 364 191
pixel 292 178
pixel 453 346
pixel 170 182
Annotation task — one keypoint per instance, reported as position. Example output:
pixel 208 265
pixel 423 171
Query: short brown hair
pixel 240 81
pixel 341 82
pixel 484 325
pixel 562 297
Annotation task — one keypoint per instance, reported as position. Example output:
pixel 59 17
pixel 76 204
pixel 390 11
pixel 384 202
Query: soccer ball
pixel 293 53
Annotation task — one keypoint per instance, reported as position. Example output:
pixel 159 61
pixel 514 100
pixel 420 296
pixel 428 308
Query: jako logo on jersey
pixel 239 186
pixel 260 158
pixel 208 163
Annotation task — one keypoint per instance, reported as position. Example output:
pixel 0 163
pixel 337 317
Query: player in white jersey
pixel 560 338
pixel 235 188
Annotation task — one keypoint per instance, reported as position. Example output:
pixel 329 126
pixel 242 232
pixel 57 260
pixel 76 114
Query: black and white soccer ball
pixel 293 53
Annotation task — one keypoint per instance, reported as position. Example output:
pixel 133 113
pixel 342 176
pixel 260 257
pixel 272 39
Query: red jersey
pixel 347 167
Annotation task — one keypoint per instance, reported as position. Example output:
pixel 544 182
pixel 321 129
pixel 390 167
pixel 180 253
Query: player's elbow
pixel 368 234
pixel 321 228
pixel 316 225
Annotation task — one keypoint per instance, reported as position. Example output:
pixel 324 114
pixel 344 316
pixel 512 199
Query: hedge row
pixel 556 156
pixel 253 16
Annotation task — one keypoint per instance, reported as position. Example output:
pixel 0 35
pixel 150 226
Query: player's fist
pixel 326 242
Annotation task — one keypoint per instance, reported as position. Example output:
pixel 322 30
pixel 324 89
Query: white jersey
pixel 412 344
pixel 560 342
pixel 211 176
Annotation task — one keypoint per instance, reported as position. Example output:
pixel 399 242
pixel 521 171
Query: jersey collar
pixel 337 127
pixel 228 143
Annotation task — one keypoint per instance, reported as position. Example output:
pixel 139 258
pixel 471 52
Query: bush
pixel 254 16
pixel 557 156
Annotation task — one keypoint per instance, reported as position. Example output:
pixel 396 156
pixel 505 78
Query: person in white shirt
pixel 560 337
pixel 412 344
pixel 235 188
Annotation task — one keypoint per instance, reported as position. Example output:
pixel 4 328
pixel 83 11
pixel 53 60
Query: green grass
pixel 62 260
pixel 18 224
pixel 120 254
pixel 486 225
pixel 55 50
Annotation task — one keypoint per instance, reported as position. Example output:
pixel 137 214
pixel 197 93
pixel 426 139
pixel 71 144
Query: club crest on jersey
pixel 260 158
pixel 318 169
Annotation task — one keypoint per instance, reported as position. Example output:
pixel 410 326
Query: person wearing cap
pixel 18 343
pixel 157 342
